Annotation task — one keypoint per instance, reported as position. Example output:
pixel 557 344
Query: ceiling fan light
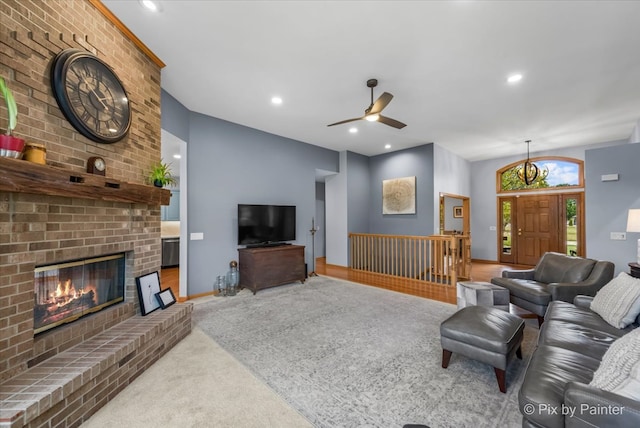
pixel 372 117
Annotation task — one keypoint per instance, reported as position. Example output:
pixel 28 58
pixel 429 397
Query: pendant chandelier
pixel 529 172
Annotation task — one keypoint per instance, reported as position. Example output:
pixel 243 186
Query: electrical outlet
pixel 492 228
pixel 618 236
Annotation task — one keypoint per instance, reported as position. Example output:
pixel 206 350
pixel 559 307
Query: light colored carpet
pixel 197 384
pixel 349 355
pixel 327 353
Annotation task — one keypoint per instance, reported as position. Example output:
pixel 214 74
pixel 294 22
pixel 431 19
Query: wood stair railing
pixel 435 259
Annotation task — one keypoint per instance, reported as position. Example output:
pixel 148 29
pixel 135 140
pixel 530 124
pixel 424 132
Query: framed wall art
pixel 148 286
pixel 166 298
pixel 399 196
pixel 457 212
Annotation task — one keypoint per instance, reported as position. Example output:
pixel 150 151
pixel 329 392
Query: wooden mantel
pixel 26 177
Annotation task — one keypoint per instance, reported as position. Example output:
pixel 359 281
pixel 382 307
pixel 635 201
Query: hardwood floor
pixel 443 293
pixel 479 272
pixel 170 278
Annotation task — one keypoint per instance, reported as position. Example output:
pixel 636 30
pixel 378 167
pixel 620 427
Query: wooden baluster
pixel 453 279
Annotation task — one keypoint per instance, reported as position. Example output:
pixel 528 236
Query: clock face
pixel 91 96
pixel 96 165
pixel 99 164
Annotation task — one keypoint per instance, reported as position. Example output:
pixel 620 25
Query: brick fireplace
pixel 45 220
pixel 49 230
pixel 40 229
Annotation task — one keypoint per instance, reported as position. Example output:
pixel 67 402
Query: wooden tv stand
pixel 265 267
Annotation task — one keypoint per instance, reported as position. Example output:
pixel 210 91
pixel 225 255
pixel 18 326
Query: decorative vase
pixel 221 286
pixel 232 278
pixel 10 146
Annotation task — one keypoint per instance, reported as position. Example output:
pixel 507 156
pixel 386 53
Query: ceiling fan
pixel 372 113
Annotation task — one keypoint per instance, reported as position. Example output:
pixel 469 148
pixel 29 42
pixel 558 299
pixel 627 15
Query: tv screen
pixel 265 224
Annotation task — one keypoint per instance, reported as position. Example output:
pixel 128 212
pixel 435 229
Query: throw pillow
pixel 618 302
pixel 619 370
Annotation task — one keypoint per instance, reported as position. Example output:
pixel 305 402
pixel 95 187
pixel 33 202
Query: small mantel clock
pixel 96 165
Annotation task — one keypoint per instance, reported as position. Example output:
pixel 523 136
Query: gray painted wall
pixel 451 174
pixel 175 117
pixel 231 164
pixel 336 215
pixel 418 162
pixel 607 203
pixel 484 197
pixel 359 191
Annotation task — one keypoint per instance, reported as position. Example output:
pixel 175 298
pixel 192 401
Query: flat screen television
pixel 260 225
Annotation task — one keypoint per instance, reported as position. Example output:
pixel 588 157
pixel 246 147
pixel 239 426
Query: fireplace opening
pixel 67 291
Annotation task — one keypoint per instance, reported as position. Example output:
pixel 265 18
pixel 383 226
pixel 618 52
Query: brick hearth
pixel 74 384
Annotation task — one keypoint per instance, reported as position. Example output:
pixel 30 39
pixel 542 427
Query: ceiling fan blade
pixel 391 122
pixel 381 103
pixel 346 121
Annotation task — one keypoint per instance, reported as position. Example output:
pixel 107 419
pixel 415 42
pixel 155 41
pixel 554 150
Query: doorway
pixel 455 215
pixel 532 225
pixel 174 216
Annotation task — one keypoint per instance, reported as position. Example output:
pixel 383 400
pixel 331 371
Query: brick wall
pixel 36 229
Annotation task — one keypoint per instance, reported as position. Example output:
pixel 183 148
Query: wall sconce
pixel 633 225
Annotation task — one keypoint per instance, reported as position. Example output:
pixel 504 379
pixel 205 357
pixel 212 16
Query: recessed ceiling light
pixel 353 130
pixel 387 146
pixel 276 100
pixel 177 156
pixel 153 6
pixel 514 78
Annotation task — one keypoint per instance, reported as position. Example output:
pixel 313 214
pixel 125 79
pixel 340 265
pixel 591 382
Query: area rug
pixel 350 355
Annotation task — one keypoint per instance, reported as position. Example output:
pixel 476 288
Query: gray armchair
pixel 555 277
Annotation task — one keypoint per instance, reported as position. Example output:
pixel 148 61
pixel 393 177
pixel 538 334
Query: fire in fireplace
pixel 67 291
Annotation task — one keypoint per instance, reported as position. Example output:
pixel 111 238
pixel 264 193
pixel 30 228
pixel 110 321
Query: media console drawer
pixel 266 267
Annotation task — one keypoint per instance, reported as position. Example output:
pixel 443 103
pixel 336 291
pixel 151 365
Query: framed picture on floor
pixel 148 286
pixel 166 298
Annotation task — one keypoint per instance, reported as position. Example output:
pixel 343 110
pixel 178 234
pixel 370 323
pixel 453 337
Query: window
pixel 562 173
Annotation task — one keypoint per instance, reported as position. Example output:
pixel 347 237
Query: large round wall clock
pixel 91 96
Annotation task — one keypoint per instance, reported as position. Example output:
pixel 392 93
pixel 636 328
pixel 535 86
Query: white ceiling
pixel 445 62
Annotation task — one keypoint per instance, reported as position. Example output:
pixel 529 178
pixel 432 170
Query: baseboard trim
pixel 196 296
pixel 491 262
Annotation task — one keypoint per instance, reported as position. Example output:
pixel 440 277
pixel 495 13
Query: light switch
pixel 197 236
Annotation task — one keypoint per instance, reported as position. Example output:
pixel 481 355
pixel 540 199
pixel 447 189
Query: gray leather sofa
pixel 555 277
pixel 555 391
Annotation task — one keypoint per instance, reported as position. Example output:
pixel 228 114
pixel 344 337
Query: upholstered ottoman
pixel 485 334
pixel 482 294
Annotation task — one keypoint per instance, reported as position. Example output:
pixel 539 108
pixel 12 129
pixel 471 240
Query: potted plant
pixel 160 174
pixel 10 146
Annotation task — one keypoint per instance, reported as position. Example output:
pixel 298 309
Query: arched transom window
pixel 562 173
